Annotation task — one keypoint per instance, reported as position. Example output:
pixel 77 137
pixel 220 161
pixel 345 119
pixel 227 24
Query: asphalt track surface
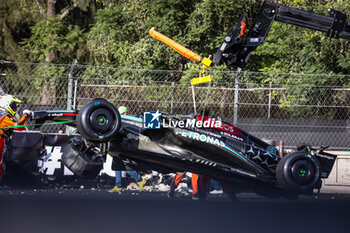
pixel 86 210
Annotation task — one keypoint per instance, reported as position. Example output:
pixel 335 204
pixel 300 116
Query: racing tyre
pixel 98 120
pixel 298 172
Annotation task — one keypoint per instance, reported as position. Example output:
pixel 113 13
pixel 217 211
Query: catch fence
pixel 296 108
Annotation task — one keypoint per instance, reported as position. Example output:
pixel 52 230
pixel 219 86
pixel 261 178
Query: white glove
pixel 28 113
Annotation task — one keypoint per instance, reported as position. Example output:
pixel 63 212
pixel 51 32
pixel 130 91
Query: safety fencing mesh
pixel 290 107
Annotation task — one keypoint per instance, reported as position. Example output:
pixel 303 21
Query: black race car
pixel 219 150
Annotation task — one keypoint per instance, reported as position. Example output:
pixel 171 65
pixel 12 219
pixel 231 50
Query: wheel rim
pixel 101 120
pixel 303 171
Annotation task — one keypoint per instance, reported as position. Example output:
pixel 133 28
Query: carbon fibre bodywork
pixel 223 152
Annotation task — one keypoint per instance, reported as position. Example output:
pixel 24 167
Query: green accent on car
pixel 131 118
pixel 301 172
pixel 101 120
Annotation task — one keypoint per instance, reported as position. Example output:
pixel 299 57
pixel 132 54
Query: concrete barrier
pixel 339 179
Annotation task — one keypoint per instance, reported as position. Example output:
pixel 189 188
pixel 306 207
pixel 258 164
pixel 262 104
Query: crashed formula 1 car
pixel 223 152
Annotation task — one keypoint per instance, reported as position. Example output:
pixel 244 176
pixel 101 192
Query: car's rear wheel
pixel 299 172
pixel 98 120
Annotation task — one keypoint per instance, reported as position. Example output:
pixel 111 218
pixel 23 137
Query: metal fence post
pixel 2 74
pixel 70 85
pixel 70 93
pixel 194 100
pixel 2 91
pixel 75 94
pixel 172 98
pixel 235 110
pixel 270 95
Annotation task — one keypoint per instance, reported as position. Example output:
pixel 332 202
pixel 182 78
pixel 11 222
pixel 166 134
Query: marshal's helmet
pixel 122 110
pixel 9 103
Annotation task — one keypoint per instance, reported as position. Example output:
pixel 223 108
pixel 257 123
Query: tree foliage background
pixel 115 33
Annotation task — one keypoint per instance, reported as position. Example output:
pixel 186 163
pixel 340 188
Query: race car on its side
pixel 220 150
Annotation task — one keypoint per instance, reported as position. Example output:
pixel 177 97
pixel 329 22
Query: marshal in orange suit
pixel 8 110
